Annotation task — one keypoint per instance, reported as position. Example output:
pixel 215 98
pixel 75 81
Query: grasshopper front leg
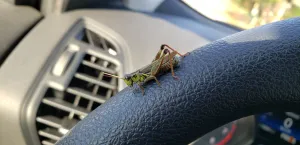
pixel 142 88
pixel 151 78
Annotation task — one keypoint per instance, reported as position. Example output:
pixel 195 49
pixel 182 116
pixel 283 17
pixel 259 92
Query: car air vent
pixel 88 88
pixel 92 38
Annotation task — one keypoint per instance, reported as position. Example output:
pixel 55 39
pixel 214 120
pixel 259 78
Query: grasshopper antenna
pixel 111 75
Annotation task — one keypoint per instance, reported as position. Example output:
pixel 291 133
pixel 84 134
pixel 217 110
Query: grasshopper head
pixel 128 81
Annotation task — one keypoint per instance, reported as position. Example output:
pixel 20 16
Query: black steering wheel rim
pixel 250 72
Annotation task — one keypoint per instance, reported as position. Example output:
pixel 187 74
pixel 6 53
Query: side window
pixel 246 14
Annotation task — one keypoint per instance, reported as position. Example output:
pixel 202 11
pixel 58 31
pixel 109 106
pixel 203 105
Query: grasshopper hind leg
pixel 182 55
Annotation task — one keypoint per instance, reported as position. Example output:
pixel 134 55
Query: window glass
pixel 246 13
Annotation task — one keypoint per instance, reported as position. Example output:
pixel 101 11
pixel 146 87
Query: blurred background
pixel 246 14
pixel 53 55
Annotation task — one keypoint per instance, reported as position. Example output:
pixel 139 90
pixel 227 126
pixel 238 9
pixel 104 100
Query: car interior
pixel 236 86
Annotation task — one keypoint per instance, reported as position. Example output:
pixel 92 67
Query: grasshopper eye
pixel 127 77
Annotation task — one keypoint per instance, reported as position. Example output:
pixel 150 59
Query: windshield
pixel 246 13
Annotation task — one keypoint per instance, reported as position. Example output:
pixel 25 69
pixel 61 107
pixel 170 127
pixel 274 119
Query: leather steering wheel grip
pixel 254 71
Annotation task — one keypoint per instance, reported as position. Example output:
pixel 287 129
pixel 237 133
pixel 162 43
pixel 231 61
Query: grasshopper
pixel 163 62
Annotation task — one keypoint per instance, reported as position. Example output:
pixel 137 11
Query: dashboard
pixel 29 98
pixel 135 38
pixel 234 133
pixel 278 128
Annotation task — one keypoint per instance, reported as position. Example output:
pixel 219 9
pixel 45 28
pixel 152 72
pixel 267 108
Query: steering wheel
pixel 250 72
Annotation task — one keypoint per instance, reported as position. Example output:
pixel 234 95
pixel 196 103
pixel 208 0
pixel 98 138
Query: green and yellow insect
pixel 164 60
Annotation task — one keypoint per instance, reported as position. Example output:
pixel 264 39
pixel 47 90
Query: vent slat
pixel 98 67
pixel 48 142
pixel 86 89
pixel 89 37
pixel 86 94
pixel 50 121
pixel 94 81
pixel 63 105
pixel 50 133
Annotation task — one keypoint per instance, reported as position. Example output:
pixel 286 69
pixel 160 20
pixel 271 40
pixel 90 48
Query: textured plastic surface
pixel 15 21
pixel 209 32
pixel 254 71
